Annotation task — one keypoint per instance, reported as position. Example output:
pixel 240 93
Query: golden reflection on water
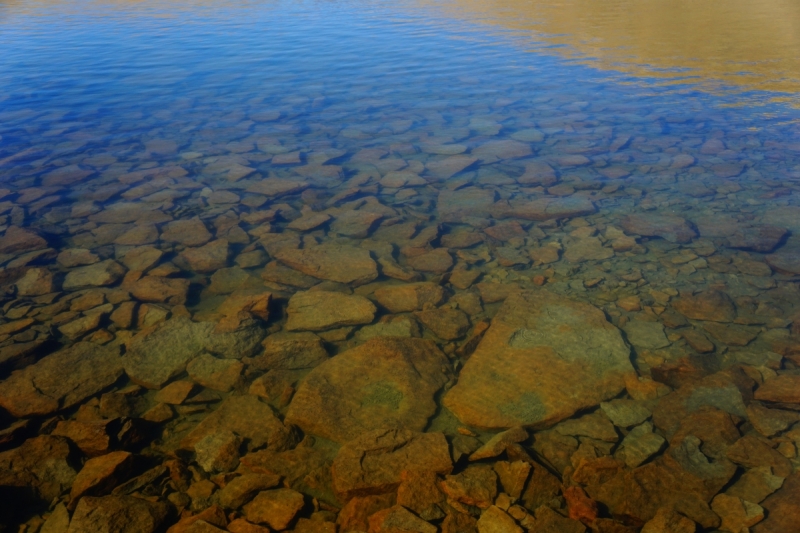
pixel 753 44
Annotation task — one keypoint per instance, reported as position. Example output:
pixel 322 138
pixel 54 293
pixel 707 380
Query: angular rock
pixel 72 257
pixel 101 474
pixel 785 262
pixel 99 274
pixel 438 261
pixel 118 514
pixel 60 380
pixel 154 357
pixel 543 358
pixel 245 416
pixel 398 519
pixel 384 383
pixel 446 323
pixel 670 227
pixel 646 335
pixel 639 445
pixel 455 206
pixel 215 374
pixel 18 240
pixel 780 389
pixel 755 484
pixel 291 351
pixel 207 258
pixel 736 514
pixel 242 489
pixel 477 485
pixel 321 310
pixel 783 508
pixel 218 452
pixel 669 521
pixel 275 508
pixel 42 467
pixel 711 305
pixel 35 282
pixel 373 463
pixel 409 296
pixel 189 232
pixel 345 264
pixel 764 238
pixel 498 443
pixel 546 208
pixel 419 492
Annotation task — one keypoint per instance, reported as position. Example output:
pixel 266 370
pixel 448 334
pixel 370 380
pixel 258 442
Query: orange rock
pixel 581 507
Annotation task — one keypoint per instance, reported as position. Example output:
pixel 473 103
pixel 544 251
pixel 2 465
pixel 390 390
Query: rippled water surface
pixel 243 238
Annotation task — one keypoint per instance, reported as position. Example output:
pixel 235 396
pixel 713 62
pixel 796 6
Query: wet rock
pixel 446 323
pixel 18 240
pixel 448 167
pixel 711 305
pixel 543 358
pixel 752 451
pixel 625 413
pixel 207 258
pixel 762 239
pixel 60 380
pixel 35 282
pixel 175 393
pixel 389 326
pixel 785 262
pixel 253 301
pixel 78 328
pixel 322 310
pixel 438 261
pixel 455 206
pixel 409 296
pixel 309 221
pixel 670 227
pixel 639 445
pixel 646 335
pixel 546 208
pixel 218 452
pixel 154 357
pixel 276 507
pixel 142 258
pixel 305 525
pixel 585 249
pixel 755 484
pixel 356 224
pixel 783 508
pixel 398 519
pixel 242 489
pixel 373 463
pixel 594 425
pixel 354 516
pixel 345 264
pixel 477 485
pixel 780 389
pixel 732 335
pixel 101 474
pixel 236 336
pixel 215 374
pixel 99 274
pixel 736 514
pixel 73 257
pixel 118 514
pixel 92 437
pixel 245 416
pixel 504 149
pixel 669 521
pixel 291 351
pixel 42 467
pixel 384 383
pixel 276 187
pixel 549 521
pixel 419 492
pixel 498 443
pixel 189 232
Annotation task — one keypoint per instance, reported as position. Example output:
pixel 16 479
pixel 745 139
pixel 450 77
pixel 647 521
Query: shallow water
pixel 636 169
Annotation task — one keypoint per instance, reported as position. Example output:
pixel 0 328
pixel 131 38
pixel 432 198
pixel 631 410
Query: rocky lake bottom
pixel 565 312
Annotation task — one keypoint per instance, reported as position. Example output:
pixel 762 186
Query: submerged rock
pixel 670 227
pixel 321 310
pixel 544 357
pixel 387 382
pixel 345 264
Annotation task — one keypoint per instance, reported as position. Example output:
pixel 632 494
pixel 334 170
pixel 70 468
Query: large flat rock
pixel 345 264
pixel 387 382
pixel 60 380
pixel 544 357
pixel 154 357
pixel 321 310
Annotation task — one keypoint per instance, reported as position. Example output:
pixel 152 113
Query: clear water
pixel 179 109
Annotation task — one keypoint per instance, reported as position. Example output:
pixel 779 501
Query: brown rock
pixel 18 240
pixel 455 206
pixel 41 465
pixel 242 489
pixel 305 525
pixel 373 463
pixel 755 484
pixel 734 335
pixel 409 296
pixel 60 380
pixel 175 393
pixel 446 323
pixel 142 258
pixel 275 187
pixel 157 355
pixel 785 262
pixel 79 327
pixel 670 227
pixel 783 508
pixel 546 208
pixel 449 166
pixel 355 514
pixel 752 451
pixel 419 492
pixel 504 149
pixel 72 257
pixel 398 519
pixel 100 474
pixel 92 437
pixel 438 261
pixel 291 351
pixel 549 521
pixel 118 514
pixel 157 289
pixel 477 485
pixel 498 443
pixel 780 389
pixel 513 477
pixel 764 238
pixel 544 358
pixel 275 508
pixel 35 282
pixel 245 416
pixel 321 310
pixel 736 514
pixel 669 521
pixel 581 507
pixel 711 305
pixel 189 232
pixel 249 300
pixel 345 264
pixel 240 525
pixel 215 374
pixel 99 274
pixel 387 382
pixel 218 452
pixel 207 258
